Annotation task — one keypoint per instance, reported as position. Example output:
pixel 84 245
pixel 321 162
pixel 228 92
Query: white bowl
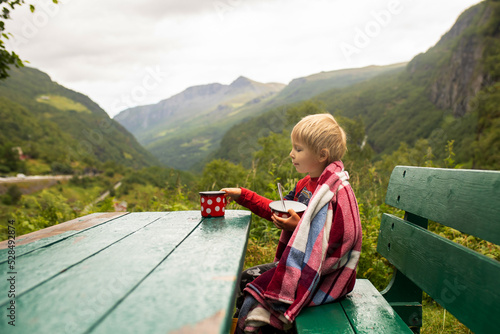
pixel 277 208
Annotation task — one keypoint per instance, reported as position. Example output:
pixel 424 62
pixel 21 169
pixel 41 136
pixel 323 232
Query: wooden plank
pixel 192 291
pixel 461 280
pixel 370 313
pixel 364 310
pixel 467 200
pixel 42 238
pixel 34 268
pixel 329 318
pixel 75 299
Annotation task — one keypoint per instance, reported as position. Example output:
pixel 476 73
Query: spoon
pixel 280 191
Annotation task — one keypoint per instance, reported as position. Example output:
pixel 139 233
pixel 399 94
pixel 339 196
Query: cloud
pixel 153 9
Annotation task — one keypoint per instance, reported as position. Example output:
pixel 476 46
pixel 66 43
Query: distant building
pixel 120 206
pixel 20 153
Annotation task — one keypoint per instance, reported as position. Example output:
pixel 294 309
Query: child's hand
pixel 232 193
pixel 287 224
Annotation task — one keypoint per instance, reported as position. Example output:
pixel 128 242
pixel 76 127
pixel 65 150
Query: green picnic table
pixel 147 272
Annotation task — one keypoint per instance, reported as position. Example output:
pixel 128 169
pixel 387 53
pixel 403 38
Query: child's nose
pixel 291 153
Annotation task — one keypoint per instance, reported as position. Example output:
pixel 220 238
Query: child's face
pixel 306 161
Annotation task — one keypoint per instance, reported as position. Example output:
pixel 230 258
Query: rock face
pixel 460 81
pixel 460 76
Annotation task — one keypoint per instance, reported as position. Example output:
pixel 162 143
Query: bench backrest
pixel 463 281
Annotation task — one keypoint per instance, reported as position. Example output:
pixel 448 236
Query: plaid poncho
pixel 317 262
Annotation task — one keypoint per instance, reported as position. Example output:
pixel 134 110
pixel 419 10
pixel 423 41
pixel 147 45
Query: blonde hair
pixel 319 132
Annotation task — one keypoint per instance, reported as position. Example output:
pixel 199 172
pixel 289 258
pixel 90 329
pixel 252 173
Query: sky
pixel 127 53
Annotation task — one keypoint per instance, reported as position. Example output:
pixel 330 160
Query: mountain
pixel 449 93
pixel 60 127
pixel 184 130
pixel 181 130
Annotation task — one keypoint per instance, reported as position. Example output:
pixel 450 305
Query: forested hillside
pixel 59 128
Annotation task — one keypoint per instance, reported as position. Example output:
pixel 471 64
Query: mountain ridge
pixel 185 128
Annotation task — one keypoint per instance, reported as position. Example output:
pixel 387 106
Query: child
pixel 317 255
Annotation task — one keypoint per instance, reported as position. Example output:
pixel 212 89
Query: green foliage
pixel 12 196
pixel 357 140
pixel 221 173
pixel 43 210
pixel 9 58
pixel 82 182
pixel 165 178
pixel 491 32
pixel 486 153
pixel 9 159
pixel 298 111
pixel 61 168
pixel 105 205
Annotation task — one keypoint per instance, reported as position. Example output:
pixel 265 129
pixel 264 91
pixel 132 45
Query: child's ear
pixel 324 155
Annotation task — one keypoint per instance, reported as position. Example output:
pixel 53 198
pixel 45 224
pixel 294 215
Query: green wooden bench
pixel 464 282
pixel 142 272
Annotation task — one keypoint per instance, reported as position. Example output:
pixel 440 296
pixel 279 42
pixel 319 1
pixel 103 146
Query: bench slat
pixel 145 309
pixel 369 312
pixel 329 318
pixel 453 275
pixel 467 200
pixel 363 311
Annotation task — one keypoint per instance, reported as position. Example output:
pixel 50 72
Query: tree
pixel 220 173
pixel 7 58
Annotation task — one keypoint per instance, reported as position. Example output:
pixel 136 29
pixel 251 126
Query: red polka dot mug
pixel 213 203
